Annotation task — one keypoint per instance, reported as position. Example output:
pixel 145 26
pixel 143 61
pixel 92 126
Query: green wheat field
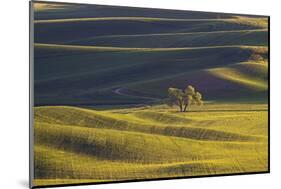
pixel 102 76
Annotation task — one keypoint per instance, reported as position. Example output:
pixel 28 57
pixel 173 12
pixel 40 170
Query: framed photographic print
pixel 120 94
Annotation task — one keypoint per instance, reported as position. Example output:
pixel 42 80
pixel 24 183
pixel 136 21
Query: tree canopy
pixel 184 98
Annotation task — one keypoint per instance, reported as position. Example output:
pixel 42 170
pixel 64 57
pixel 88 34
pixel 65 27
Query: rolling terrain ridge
pixel 101 76
pixel 87 58
pixel 124 144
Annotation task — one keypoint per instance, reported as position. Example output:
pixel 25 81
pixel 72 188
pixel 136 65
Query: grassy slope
pixel 60 74
pixel 168 40
pixel 46 11
pixel 146 53
pixel 84 53
pixel 61 31
pixel 234 81
pixel 74 143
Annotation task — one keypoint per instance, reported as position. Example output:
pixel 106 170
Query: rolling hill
pixel 75 143
pixel 83 54
pixel 60 76
pixel 101 75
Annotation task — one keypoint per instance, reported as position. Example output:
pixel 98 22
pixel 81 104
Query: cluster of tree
pixel 184 98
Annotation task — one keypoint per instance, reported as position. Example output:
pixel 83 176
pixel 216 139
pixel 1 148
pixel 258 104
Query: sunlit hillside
pixel 101 79
pixel 74 143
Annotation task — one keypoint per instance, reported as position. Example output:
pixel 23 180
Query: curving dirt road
pixel 122 91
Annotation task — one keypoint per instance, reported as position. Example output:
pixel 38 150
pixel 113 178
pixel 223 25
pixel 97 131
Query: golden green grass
pixel 128 18
pixel 255 22
pixel 48 6
pixel 185 33
pixel 252 75
pixel 148 142
pixel 251 80
pixel 258 22
pixel 73 145
pixel 103 48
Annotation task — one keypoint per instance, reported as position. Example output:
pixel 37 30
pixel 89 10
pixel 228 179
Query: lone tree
pixel 184 98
